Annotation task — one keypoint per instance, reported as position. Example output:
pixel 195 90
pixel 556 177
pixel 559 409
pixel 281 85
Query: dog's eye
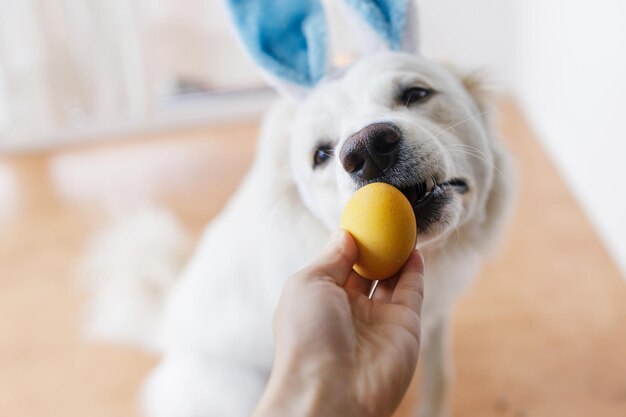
pixel 322 154
pixel 415 95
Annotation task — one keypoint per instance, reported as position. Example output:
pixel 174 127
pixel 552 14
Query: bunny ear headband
pixel 288 38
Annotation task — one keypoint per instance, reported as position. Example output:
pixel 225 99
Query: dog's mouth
pixel 422 193
pixel 428 199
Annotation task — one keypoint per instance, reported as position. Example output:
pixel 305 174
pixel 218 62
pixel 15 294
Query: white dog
pixel 391 117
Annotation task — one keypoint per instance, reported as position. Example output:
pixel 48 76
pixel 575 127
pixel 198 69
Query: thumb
pixel 337 259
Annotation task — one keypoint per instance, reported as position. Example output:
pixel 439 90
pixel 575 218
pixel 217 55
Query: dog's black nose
pixel 371 151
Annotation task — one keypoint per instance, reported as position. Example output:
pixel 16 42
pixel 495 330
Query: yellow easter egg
pixel 381 221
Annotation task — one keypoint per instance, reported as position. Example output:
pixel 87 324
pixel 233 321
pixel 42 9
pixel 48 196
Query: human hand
pixel 339 353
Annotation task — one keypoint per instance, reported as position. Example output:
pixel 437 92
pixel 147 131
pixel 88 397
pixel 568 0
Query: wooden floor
pixel 542 333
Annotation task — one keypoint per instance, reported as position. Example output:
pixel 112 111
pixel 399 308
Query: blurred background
pixel 106 106
pixel 73 71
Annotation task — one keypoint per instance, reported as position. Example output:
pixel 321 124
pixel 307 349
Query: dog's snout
pixel 371 151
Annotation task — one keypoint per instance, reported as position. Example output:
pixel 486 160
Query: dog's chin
pixel 436 206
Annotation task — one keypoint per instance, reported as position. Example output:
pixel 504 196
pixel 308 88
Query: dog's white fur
pixel 217 330
pixel 128 271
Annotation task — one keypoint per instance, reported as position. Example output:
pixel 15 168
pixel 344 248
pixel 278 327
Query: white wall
pixel 566 62
pixel 474 34
pixel 574 90
pixel 3 107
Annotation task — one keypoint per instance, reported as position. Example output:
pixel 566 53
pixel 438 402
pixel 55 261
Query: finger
pixel 409 290
pixel 337 258
pixel 357 284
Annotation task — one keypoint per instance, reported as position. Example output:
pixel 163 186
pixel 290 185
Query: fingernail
pixel 336 236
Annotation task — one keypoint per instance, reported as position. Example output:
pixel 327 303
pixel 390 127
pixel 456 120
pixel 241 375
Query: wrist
pixel 286 397
pixel 291 391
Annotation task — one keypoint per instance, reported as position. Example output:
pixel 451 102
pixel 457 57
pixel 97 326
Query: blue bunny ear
pixel 287 39
pixel 392 21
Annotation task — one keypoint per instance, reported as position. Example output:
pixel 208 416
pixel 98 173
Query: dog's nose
pixel 371 151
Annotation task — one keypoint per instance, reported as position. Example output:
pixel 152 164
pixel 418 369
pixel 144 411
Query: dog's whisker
pixel 491 164
pixel 461 169
pixel 458 233
pixel 478 156
pixel 469 150
pixel 460 123
pixel 477 153
pixel 463 145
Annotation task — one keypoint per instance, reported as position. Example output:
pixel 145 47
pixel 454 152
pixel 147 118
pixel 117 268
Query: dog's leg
pixel 437 374
pixel 189 385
